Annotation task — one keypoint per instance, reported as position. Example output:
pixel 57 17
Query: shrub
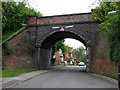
pixel 68 59
pixel 73 62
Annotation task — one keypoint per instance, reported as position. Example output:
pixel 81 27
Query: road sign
pixel 62 29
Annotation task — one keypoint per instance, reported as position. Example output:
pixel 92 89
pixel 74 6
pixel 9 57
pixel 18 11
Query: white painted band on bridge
pixel 65 27
pixel 55 27
pixel 69 26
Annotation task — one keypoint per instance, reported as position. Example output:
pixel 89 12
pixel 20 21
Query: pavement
pixel 10 82
pixel 111 80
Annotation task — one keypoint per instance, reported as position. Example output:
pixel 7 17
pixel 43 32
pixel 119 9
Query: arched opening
pixel 68 52
pixel 52 38
pixel 47 42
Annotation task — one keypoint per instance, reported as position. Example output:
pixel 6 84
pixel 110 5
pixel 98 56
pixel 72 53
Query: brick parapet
pixel 32 20
pixel 64 18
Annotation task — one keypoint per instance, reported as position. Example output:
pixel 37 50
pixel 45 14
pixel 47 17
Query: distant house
pixel 67 54
pixel 59 55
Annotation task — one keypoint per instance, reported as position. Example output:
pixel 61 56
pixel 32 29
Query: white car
pixel 81 64
pixel 71 63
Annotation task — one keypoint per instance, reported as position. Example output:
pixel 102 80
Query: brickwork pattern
pixel 63 19
pixel 32 20
pixel 21 58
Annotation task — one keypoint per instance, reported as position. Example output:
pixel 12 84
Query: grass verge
pixel 15 72
pixel 11 34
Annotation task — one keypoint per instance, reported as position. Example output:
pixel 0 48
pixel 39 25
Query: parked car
pixel 71 63
pixel 81 64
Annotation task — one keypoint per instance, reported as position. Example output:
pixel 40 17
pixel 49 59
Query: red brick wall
pixel 101 62
pixel 57 55
pixel 106 67
pixel 21 57
pixel 32 20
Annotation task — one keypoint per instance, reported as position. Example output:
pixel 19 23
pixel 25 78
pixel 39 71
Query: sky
pixel 73 43
pixel 60 7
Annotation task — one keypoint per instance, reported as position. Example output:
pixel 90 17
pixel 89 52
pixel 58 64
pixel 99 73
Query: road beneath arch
pixel 66 77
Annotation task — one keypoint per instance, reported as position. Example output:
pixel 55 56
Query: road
pixel 66 77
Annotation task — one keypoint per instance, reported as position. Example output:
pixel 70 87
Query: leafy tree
pixel 68 59
pixel 68 48
pixel 79 53
pixel 14 14
pixel 100 13
pixel 83 58
pixel 58 45
pixel 109 24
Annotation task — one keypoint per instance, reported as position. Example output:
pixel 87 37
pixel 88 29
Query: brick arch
pixel 50 38
pixel 79 30
pixel 45 31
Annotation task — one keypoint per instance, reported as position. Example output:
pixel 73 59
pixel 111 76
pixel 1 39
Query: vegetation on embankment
pixel 14 14
pixel 109 24
pixel 15 72
pixel 12 34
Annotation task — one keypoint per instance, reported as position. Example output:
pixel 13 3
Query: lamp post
pixel 113 12
pixel 24 24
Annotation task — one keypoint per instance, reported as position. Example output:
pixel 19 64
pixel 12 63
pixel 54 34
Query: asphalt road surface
pixel 66 77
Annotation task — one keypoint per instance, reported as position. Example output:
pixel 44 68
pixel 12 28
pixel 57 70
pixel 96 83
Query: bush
pixel 73 62
pixel 77 62
pixel 68 59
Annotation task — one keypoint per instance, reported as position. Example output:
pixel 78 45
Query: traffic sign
pixel 62 29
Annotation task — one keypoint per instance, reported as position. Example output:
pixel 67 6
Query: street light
pixel 113 12
pixel 24 24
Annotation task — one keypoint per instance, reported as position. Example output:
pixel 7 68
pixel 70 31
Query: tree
pixel 58 45
pixel 68 59
pixel 14 14
pixel 79 53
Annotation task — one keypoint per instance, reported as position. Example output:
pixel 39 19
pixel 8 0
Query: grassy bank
pixel 15 72
pixel 11 34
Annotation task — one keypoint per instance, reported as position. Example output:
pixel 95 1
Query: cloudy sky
pixel 58 7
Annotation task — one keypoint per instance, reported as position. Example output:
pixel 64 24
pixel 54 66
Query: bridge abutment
pixel 88 56
pixel 43 60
